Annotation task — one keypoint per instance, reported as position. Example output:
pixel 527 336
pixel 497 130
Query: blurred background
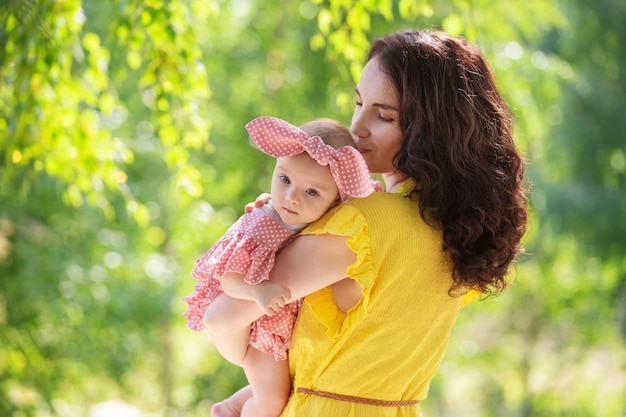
pixel 123 157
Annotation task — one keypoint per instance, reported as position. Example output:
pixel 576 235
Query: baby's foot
pixel 231 407
pixel 226 408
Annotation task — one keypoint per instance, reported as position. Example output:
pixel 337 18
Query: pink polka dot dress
pixel 249 248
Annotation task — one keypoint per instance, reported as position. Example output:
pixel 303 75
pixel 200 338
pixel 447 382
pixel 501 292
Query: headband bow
pixel 277 138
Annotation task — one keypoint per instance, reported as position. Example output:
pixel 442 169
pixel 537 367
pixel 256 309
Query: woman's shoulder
pixel 399 205
pixel 377 198
pixel 353 217
pixel 344 220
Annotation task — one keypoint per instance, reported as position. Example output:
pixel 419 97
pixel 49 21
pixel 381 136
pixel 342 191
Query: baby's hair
pixel 331 131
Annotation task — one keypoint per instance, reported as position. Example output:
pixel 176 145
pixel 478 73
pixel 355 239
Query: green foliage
pixel 110 189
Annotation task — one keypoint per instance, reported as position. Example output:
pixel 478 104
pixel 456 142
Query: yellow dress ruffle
pixel 346 222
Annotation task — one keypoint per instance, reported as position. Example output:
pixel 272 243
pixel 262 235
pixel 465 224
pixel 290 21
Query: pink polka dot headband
pixel 277 138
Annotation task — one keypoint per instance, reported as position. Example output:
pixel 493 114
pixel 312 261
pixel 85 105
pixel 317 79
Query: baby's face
pixel 302 189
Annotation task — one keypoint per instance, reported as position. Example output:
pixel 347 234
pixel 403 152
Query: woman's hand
pixel 270 297
pixel 260 201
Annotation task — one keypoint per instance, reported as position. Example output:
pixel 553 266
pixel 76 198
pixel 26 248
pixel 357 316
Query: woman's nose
pixel 358 126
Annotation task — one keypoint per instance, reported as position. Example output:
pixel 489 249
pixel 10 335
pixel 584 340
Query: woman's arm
pixel 312 262
pixel 306 265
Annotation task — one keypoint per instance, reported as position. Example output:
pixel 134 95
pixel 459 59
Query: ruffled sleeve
pixel 344 220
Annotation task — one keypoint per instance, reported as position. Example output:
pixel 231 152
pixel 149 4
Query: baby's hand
pixel 271 296
pixel 260 201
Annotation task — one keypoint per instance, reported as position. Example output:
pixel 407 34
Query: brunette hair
pixel 458 148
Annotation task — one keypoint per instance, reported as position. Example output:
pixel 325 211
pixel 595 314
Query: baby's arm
pixel 269 296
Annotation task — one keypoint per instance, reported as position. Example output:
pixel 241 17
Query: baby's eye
pixel 312 192
pixel 285 179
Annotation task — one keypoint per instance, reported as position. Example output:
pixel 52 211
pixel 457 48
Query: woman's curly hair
pixel 458 147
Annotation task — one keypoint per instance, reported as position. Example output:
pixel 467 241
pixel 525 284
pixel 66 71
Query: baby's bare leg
pixel 270 383
pixel 229 326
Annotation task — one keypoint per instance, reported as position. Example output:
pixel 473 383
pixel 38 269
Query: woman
pixel 429 118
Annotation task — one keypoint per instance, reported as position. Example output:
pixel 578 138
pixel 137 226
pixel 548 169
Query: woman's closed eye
pixel 385 119
pixel 379 115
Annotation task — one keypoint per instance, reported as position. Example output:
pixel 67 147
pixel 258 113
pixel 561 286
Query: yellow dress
pixel 389 346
